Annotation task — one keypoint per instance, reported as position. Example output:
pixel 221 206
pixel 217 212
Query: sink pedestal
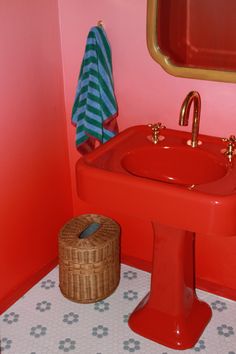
pixel 171 314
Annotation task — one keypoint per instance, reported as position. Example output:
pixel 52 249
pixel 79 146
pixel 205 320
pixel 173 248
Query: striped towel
pixel 95 107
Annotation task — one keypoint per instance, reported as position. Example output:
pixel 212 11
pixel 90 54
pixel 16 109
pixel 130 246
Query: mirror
pixel 193 38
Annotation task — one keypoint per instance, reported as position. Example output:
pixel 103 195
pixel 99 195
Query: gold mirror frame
pixel 165 61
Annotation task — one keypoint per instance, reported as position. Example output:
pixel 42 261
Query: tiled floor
pixel 44 322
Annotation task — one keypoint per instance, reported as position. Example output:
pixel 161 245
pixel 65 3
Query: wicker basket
pixel 89 268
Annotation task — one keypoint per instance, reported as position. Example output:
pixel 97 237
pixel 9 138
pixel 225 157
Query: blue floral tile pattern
pixel 130 275
pixel 38 331
pixel 100 331
pixel 130 295
pixel 126 318
pixel 131 345
pixel 225 330
pixel 43 321
pixel 48 284
pixel 101 306
pixel 67 345
pixel 200 346
pixel 43 306
pixel 219 305
pixel 5 344
pixel 71 318
pixel 11 317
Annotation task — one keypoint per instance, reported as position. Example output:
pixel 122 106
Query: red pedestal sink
pixel 182 191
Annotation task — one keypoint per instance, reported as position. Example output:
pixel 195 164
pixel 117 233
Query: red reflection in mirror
pixel 198 33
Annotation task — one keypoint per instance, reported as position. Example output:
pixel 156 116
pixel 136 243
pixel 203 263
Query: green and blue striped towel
pixel 95 108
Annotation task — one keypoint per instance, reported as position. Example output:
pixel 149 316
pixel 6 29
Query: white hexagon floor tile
pixel 45 322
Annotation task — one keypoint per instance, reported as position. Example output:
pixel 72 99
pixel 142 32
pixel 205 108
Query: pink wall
pixel 35 191
pixel 145 94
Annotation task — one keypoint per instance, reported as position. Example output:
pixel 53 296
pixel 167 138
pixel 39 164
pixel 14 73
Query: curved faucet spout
pixel 192 97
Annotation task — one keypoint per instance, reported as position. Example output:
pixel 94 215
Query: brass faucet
pixel 194 97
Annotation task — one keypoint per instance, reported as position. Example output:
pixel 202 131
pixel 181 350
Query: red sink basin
pixel 174 164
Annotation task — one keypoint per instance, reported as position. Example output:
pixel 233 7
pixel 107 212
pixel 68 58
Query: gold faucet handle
pixel 156 126
pixel 231 140
pixel 155 132
pixel 230 150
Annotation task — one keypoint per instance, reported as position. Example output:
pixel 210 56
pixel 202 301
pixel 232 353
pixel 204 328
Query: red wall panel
pixel 35 189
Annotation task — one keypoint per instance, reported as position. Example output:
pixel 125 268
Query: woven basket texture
pixel 89 268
